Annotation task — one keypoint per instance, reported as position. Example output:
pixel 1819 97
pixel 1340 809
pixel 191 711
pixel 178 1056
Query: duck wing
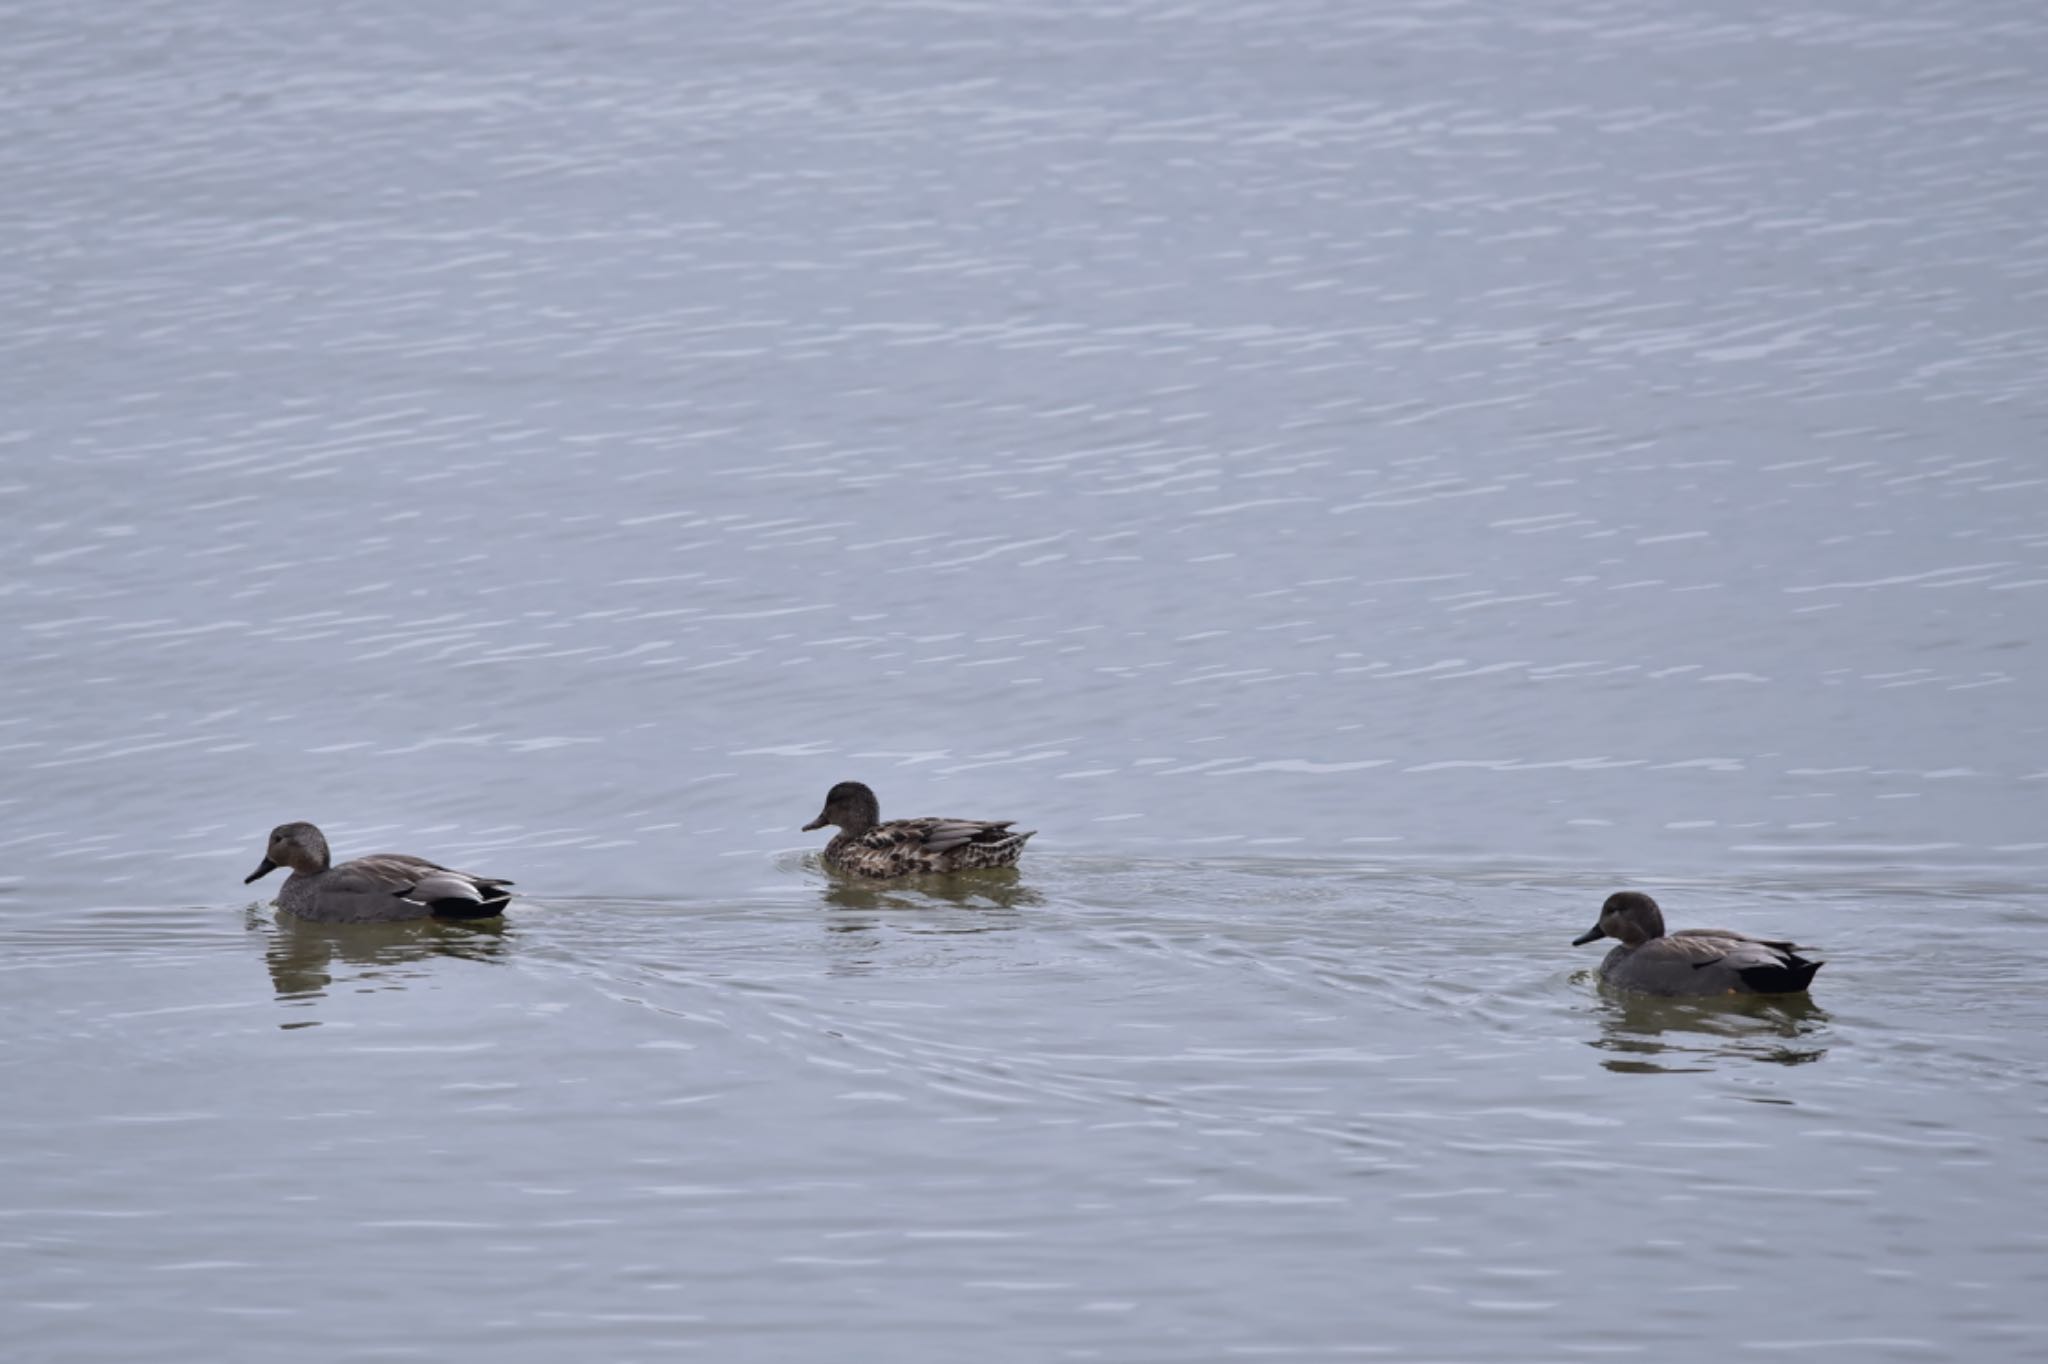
pixel 440 890
pixel 1724 961
pixel 929 844
pixel 1781 944
pixel 932 835
pixel 366 891
pixel 944 835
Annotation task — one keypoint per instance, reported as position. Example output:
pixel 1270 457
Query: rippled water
pixel 1363 480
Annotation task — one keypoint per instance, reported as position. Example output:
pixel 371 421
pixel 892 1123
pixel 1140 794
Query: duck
pixel 381 888
pixel 1692 961
pixel 865 846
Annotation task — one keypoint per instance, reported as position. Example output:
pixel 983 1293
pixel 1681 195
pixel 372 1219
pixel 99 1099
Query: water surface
pixel 1364 481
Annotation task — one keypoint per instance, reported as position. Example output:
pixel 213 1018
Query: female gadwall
pixel 865 846
pixel 1692 961
pixel 379 889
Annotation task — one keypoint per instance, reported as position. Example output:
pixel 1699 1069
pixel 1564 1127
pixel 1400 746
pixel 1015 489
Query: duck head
pixel 850 806
pixel 1629 916
pixel 298 845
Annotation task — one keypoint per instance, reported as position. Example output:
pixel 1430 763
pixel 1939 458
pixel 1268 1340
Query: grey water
pixel 1363 480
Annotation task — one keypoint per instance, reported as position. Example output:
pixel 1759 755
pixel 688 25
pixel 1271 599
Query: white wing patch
pixel 443 885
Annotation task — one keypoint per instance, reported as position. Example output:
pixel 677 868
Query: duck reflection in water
pixel 307 960
pixel 1650 1035
pixel 873 921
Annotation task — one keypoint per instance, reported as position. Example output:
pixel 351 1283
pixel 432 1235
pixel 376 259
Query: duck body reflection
pixel 308 960
pixel 1653 1035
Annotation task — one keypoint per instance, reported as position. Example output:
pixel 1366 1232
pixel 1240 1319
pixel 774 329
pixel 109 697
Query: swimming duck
pixel 1692 961
pixel 865 846
pixel 381 888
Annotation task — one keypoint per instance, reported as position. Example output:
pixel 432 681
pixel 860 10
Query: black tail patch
pixel 467 909
pixel 1794 974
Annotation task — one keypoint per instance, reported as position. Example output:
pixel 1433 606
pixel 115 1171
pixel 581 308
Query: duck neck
pixel 861 816
pixel 311 861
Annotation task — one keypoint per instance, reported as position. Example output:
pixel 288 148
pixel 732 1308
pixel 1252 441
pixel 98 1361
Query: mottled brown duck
pixel 867 846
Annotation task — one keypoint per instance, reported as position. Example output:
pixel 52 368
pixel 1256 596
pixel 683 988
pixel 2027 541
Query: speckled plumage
pixel 1692 961
pixel 866 846
pixel 380 888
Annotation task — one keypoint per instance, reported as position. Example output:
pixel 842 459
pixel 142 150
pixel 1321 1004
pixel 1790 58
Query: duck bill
pixel 817 823
pixel 263 869
pixel 1596 931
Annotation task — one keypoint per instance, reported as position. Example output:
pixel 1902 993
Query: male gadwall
pixel 382 888
pixel 865 846
pixel 1692 961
